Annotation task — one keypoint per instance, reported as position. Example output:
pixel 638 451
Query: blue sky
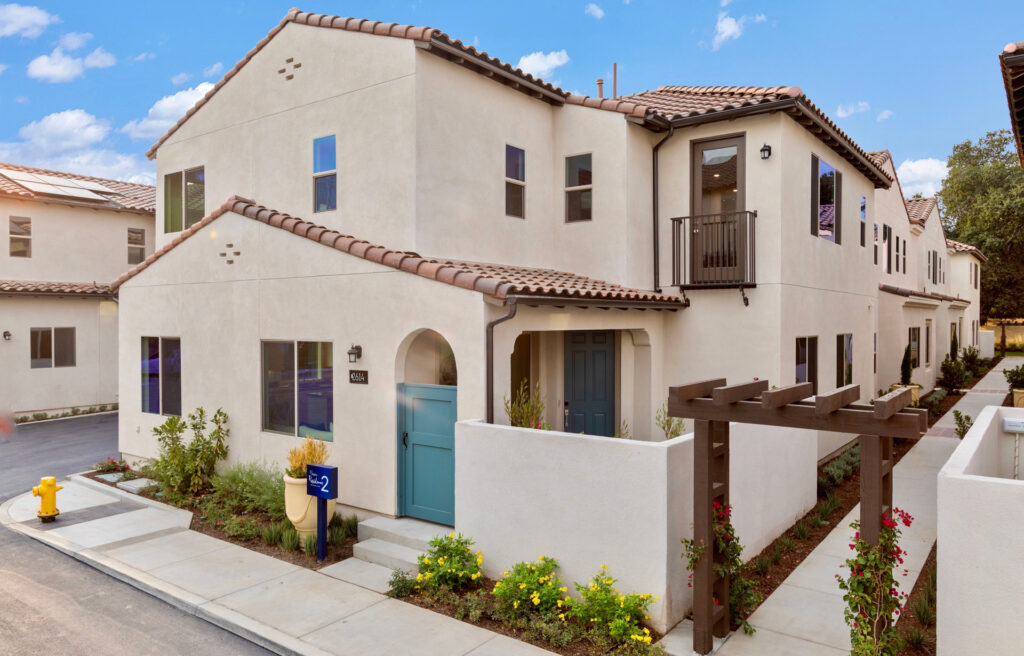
pixel 89 86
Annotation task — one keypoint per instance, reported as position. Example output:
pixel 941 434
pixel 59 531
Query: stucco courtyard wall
pixel 590 501
pixel 981 538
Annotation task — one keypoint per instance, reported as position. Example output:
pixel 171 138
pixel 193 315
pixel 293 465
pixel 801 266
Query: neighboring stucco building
pixel 67 237
pixel 735 225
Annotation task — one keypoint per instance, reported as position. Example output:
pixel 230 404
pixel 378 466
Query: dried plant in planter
pixel 526 408
pixel 312 451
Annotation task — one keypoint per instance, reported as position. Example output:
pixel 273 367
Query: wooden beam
pixel 799 415
pixel 739 392
pixel 695 390
pixel 889 404
pixel 922 415
pixel 825 404
pixel 780 396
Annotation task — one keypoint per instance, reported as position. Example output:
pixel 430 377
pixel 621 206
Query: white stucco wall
pixel 591 501
pixel 981 538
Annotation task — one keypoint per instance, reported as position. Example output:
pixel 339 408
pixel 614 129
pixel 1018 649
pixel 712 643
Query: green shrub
pixel 971 357
pixel 933 402
pixel 76 411
pixel 114 407
pixel 954 375
pixel 915 639
pixel 601 605
pixel 111 466
pixel 22 419
pixel 350 525
pixel 923 611
pixel 449 563
pixel 954 347
pixel 672 426
pixel 472 606
pixel 787 544
pixel 825 485
pixel 272 533
pixel 241 528
pixel 526 408
pixel 186 468
pixel 1015 377
pixel 103 408
pixel 335 535
pixel 801 531
pixel 529 588
pixel 761 566
pixel 400 584
pixel 309 545
pixel 38 416
pixel 92 410
pixel 828 505
pixel 776 555
pixel 290 539
pixel 251 488
pixel 963 423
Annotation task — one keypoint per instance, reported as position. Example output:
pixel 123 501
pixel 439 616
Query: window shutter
pixel 814 195
pixel 839 208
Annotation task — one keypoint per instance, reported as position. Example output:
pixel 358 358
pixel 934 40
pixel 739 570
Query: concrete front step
pixel 388 554
pixel 361 573
pixel 405 531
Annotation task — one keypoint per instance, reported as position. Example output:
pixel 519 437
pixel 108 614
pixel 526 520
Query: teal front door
pixel 590 382
pixel 426 452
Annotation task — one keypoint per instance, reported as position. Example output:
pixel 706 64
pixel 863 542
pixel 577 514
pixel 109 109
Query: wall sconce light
pixel 355 353
pixel 7 335
pixel 766 151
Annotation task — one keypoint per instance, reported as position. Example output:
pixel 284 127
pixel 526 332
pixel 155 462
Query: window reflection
pixel 826 201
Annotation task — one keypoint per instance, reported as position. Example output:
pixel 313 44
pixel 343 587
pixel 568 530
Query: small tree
pixel 905 367
pixel 526 408
pixel 954 348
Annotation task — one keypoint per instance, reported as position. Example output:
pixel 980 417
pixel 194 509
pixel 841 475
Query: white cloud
pixel 165 112
pixel 725 3
pixel 100 58
pixel 181 78
pixel 728 27
pixel 215 69
pixel 921 175
pixel 72 140
pixel 59 67
pixel 853 108
pixel 543 64
pixel 74 40
pixel 3 67
pixel 27 22
pixel 595 11
pixel 21 100
pixel 884 115
pixel 143 56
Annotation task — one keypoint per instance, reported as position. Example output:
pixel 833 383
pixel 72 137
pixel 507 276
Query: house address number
pixel 359 377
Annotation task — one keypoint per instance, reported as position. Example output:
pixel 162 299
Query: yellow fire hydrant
pixel 47 493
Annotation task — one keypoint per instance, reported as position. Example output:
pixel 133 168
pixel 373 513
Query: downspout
pixel 654 195
pixel 512 307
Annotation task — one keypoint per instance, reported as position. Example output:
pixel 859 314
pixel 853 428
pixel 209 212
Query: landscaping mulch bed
pixel 945 405
pixel 909 621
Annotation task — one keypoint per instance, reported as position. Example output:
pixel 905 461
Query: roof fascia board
pixel 605 303
pixel 832 132
pixel 729 114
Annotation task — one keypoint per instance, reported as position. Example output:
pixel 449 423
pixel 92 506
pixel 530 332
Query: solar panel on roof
pixel 40 187
pixel 19 175
pixel 94 186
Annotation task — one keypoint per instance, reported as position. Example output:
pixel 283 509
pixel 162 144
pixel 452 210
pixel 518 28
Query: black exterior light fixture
pixel 7 335
pixel 355 353
pixel 766 151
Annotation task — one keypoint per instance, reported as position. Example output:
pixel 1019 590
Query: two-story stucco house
pixel 66 237
pixel 601 248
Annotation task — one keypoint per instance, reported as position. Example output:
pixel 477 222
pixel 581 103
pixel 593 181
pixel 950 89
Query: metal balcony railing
pixel 713 250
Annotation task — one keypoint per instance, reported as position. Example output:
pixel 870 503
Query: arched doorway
pixel 427 412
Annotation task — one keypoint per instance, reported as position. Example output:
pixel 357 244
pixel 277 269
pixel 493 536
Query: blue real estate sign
pixel 322 481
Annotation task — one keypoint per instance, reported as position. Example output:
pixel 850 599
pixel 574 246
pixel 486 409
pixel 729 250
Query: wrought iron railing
pixel 713 250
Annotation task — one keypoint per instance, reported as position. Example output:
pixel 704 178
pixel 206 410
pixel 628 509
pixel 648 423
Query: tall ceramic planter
pixel 915 393
pixel 1018 398
pixel 301 508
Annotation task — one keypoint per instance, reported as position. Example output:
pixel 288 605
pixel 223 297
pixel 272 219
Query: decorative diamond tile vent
pixel 229 255
pixel 289 68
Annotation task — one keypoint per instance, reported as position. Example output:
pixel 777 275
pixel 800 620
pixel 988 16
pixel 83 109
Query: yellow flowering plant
pixel 530 589
pixel 450 563
pixel 619 615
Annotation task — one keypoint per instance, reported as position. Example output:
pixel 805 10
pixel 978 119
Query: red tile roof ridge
pixel 495 280
pixel 626 107
pixel 45 287
pixel 919 209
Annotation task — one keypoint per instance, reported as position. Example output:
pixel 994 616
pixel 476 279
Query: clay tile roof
pixel 1011 62
pixel 496 280
pixel 919 209
pixel 126 196
pixel 40 288
pixel 960 247
pixel 901 291
pixel 880 157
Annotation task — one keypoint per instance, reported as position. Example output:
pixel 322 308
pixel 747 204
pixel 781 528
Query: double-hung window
pixel 184 199
pixel 20 229
pixel 844 359
pixel 298 388
pixel 807 361
pixel 826 201
pixel 579 188
pixel 161 375
pixel 325 174
pixel 863 220
pixel 915 346
pixel 515 182
pixel 51 347
pixel 136 245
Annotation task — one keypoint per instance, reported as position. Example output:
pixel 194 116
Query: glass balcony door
pixel 717 229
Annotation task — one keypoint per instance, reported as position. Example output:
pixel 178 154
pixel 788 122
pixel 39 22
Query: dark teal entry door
pixel 426 452
pixel 590 381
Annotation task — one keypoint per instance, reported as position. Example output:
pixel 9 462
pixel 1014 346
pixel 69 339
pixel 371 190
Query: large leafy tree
pixel 983 201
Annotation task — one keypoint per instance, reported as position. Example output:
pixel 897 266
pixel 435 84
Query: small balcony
pixel 713 251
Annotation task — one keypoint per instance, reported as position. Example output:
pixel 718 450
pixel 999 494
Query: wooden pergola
pixel 712 404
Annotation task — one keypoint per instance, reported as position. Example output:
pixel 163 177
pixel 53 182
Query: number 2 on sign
pixel 323 483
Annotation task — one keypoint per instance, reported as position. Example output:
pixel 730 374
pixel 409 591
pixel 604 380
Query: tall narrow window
pixel 874 357
pixel 279 387
pixel 63 347
pixel 928 276
pixel 21 236
pixel 826 200
pixel 579 188
pixel 325 174
pixel 515 182
pixel 904 256
pixel 173 197
pixel 161 375
pixel 915 345
pixel 136 245
pixel 886 249
pixel 51 347
pixel 184 199
pixel 927 342
pixel 863 220
pixel 844 359
pixel 876 243
pixel 807 361
pixel 195 196
pixel 897 254
pixel 298 389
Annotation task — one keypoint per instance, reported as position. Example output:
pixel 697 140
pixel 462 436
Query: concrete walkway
pixel 804 616
pixel 283 607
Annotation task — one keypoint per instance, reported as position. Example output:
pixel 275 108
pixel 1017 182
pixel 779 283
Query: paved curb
pixel 210 611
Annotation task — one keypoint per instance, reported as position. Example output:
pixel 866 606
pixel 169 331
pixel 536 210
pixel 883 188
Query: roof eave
pixel 605 303
pixel 70 203
pixel 1012 64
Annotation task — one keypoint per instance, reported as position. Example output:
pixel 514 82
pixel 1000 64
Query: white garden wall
pixel 987 339
pixel 591 501
pixel 981 539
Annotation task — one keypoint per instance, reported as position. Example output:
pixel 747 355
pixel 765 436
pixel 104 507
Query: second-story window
pixel 897 254
pixel 21 236
pixel 136 245
pixel 184 199
pixel 904 256
pixel 863 220
pixel 515 182
pixel 579 188
pixel 826 201
pixel 844 359
pixel 325 175
pixel 886 249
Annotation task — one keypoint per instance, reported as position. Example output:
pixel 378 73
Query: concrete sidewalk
pixel 280 606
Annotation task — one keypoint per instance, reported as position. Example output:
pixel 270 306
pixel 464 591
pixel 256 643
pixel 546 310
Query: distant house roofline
pixel 122 196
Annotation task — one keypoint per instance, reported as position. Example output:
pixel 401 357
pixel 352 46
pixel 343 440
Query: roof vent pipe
pixel 615 80
pixel 600 88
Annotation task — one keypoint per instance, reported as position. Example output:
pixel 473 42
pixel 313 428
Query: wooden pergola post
pixel 710 484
